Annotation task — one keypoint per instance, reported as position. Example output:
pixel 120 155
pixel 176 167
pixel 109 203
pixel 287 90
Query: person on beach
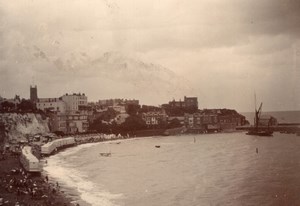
pixel 18 191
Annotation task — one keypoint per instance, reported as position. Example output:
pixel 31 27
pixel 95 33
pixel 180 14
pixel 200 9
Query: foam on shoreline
pixel 73 179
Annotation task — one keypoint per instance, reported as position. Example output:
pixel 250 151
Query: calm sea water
pixel 212 169
pixel 282 117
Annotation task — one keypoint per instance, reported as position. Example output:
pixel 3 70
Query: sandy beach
pixel 20 188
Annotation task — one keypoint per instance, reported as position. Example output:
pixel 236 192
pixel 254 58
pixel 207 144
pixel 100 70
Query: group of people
pixel 19 182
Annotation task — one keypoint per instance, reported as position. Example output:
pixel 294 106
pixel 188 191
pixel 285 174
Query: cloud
pixel 222 48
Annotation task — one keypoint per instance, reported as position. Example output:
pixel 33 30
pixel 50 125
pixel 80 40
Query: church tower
pixel 33 93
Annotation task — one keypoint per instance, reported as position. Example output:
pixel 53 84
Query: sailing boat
pixel 256 130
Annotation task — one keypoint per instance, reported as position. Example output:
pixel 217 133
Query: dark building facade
pixel 33 93
pixel 191 102
pixel 188 102
pixel 203 122
pixel 214 120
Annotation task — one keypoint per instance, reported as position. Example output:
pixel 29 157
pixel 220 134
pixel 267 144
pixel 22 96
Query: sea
pixel 186 170
pixel 281 116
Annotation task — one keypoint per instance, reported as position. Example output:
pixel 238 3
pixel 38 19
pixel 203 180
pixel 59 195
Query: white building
pixel 51 104
pixel 154 118
pixel 67 116
pixel 74 101
pixel 77 122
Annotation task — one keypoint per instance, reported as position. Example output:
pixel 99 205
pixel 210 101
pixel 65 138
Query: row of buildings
pixel 200 121
pixel 187 103
pixel 72 113
pixel 68 113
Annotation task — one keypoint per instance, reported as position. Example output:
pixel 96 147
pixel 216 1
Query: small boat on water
pixel 157 146
pixel 105 154
pixel 115 143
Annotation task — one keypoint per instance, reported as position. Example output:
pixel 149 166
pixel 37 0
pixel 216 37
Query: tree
pixel 100 126
pixel 7 106
pixel 109 114
pixel 133 123
pixel 132 109
pixel 26 106
pixel 175 111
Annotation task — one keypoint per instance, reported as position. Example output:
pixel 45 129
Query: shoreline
pixel 51 194
pixel 14 191
pixel 18 187
pixel 91 142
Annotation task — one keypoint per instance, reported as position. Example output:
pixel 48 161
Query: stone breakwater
pixel 18 126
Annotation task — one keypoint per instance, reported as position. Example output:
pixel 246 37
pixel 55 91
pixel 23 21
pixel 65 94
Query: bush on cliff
pixel 7 106
pixel 133 123
pixel 26 106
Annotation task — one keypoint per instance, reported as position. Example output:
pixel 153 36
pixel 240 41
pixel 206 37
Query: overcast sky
pixel 225 50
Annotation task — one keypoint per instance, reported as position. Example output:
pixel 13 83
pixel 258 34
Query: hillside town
pixel 36 128
pixel 72 113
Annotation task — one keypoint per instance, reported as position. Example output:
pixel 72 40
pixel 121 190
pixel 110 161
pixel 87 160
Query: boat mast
pixel 255 118
pixel 257 113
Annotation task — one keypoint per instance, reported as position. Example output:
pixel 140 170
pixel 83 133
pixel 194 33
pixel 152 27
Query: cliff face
pixel 18 126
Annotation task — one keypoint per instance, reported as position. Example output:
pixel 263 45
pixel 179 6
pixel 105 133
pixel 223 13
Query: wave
pixel 70 177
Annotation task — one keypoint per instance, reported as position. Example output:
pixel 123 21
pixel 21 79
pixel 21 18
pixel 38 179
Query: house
pixel 77 122
pixel 58 122
pixel 68 114
pixel 188 102
pixel 202 121
pixel 154 118
pixel 267 120
pixel 74 101
pixel 69 123
pixel 51 104
pixel 181 119
pixel 191 102
pixel 113 102
pixel 231 121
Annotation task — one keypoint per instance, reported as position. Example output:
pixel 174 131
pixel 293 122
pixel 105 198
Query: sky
pixel 219 51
